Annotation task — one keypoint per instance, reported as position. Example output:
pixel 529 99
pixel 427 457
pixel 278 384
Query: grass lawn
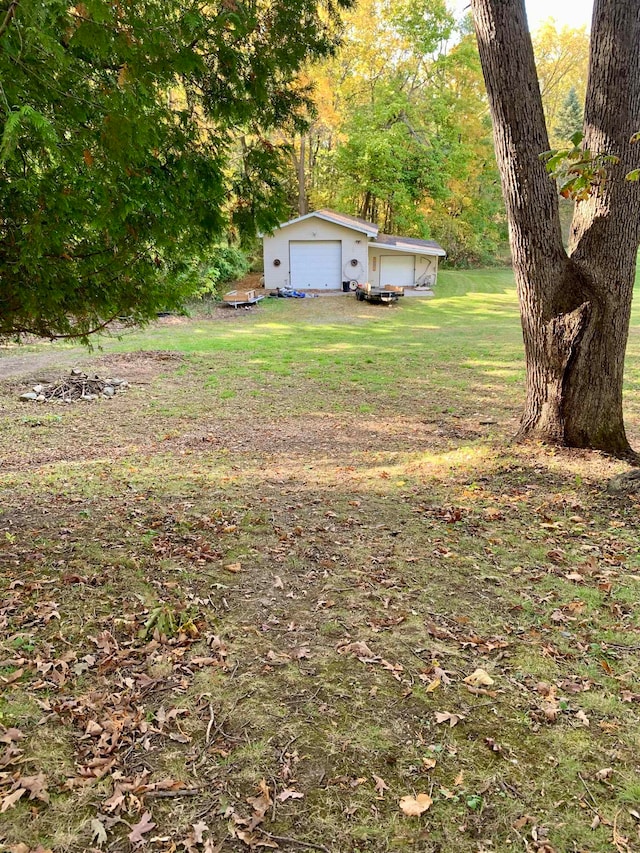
pixel 296 589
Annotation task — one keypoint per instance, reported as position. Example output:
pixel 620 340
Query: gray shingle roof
pixel 346 219
pixel 408 242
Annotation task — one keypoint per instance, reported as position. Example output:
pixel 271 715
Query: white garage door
pixel 316 264
pixel 398 270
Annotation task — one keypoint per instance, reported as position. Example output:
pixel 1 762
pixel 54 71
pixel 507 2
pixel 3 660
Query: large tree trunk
pixel 299 165
pixel 574 307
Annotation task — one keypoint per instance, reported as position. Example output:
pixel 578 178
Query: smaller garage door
pixel 316 264
pixel 398 270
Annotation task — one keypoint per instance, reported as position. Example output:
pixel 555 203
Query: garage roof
pixel 409 244
pixel 354 222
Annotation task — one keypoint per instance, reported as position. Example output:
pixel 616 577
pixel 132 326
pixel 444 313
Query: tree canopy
pixel 131 135
pixel 401 132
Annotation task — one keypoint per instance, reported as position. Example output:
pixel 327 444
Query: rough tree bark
pixel 299 166
pixel 574 305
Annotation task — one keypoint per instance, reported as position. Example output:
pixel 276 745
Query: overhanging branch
pixel 11 11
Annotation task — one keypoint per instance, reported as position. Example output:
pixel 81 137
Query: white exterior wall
pixel 424 265
pixel 276 245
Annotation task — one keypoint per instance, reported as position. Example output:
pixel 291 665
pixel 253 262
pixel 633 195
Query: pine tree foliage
pixel 570 117
pixel 131 135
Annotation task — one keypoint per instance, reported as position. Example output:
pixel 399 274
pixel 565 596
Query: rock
pixel 116 382
pixel 40 398
pixel 627 482
pixel 108 391
pixel 75 371
pixel 37 389
pixel 28 396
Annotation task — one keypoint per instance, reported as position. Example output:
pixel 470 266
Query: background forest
pixel 400 132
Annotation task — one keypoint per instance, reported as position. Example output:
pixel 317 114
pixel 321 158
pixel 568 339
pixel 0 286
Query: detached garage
pixel 326 250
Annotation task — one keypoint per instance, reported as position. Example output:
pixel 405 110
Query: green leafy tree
pixel 400 133
pixel 562 61
pixel 132 134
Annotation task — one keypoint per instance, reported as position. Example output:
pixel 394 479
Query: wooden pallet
pixel 238 298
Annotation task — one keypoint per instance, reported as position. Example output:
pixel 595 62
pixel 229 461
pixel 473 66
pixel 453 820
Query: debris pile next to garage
pixel 76 386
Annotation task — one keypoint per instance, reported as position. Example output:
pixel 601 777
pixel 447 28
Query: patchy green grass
pixel 247 592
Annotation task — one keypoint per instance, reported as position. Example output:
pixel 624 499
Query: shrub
pixel 220 265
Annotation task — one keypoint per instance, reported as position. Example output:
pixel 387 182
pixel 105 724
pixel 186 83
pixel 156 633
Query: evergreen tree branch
pixel 11 11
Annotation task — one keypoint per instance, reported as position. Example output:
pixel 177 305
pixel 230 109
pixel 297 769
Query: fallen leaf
pixel 199 829
pixel 9 679
pixel 429 763
pixel 521 822
pixel 574 576
pixel 381 785
pixel 459 779
pixel 433 685
pixel 233 567
pixel 625 695
pixel 289 794
pixel 98 832
pixel 11 735
pixel 359 649
pixel 603 774
pixel 446 717
pixel 115 800
pixel 11 799
pixel 493 746
pixel 36 786
pixel 414 806
pixel 259 804
pixel 482 691
pixel 179 737
pixel 479 678
pixel 253 840
pixel 442 675
pixel 277 582
pixel 580 715
pixel 300 653
pixel 137 832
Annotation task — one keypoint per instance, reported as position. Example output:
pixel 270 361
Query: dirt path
pixel 25 365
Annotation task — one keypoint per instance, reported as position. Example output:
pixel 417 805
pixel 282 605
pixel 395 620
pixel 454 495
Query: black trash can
pixel 345 287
